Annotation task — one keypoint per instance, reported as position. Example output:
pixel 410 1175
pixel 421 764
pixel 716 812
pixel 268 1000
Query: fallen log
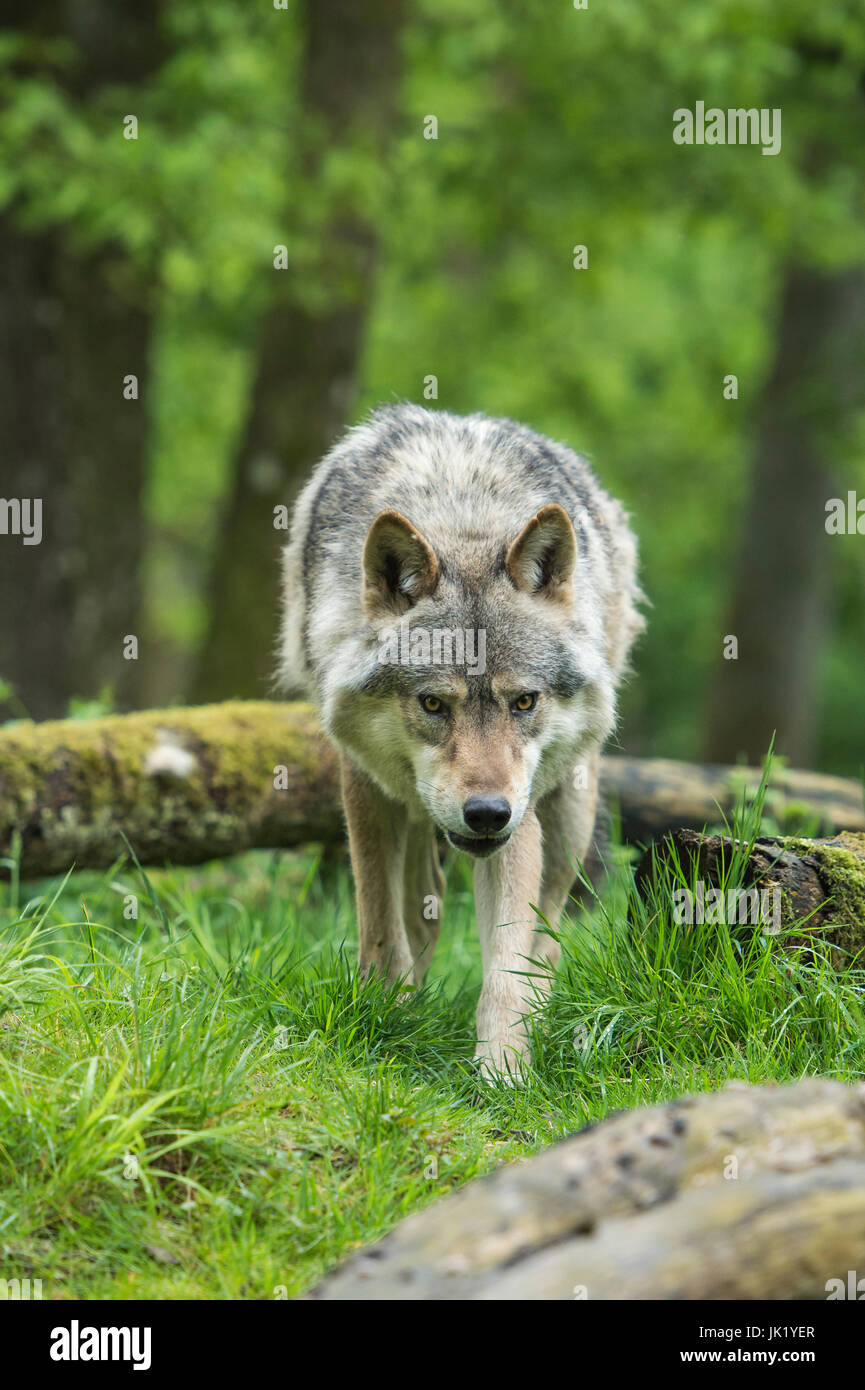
pixel 816 886
pixel 659 794
pixel 744 1193
pixel 188 785
pixel 183 786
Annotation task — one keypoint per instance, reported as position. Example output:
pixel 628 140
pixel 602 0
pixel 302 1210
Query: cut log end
pixel 805 887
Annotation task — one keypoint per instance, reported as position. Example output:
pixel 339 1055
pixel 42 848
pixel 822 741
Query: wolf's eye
pixel 432 704
pixel 523 703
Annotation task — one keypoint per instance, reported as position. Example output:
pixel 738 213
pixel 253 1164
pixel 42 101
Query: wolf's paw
pixel 407 990
pixel 401 973
pixel 500 1063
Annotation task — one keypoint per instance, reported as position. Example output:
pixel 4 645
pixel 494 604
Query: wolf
pixel 460 600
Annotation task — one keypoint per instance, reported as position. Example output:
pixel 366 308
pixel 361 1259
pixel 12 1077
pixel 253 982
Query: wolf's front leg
pixel 422 896
pixel 377 842
pixel 567 816
pixel 505 885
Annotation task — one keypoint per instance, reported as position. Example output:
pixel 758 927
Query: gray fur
pixel 469 483
pixel 465 488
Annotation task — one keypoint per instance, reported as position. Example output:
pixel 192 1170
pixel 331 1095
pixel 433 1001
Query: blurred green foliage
pixel 554 129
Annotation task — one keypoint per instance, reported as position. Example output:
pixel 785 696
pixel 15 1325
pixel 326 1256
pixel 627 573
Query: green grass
pixel 203 1102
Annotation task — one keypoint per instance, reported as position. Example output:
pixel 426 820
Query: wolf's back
pixel 469 484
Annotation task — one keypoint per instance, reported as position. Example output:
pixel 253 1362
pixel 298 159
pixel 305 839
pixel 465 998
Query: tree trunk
pixel 308 356
pixel 188 785
pixel 72 326
pixel 778 604
pixel 753 1192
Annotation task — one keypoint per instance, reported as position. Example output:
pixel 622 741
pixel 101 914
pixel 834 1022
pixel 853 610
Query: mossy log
pixel 659 794
pixel 183 785
pixel 819 884
pixel 187 785
pixel 744 1193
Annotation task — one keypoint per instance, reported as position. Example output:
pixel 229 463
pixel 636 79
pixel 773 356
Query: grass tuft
pixel 199 1099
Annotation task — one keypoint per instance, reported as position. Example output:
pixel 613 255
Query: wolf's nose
pixel 486 813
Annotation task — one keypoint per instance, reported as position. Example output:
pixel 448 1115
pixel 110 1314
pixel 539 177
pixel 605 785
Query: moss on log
pixel 184 785
pixel 748 1192
pixel 818 883
pixel 187 785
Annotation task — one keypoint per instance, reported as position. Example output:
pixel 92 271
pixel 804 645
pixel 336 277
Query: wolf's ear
pixel 399 566
pixel 542 558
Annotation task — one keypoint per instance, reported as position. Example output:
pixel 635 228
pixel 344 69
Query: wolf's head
pixel 487 680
